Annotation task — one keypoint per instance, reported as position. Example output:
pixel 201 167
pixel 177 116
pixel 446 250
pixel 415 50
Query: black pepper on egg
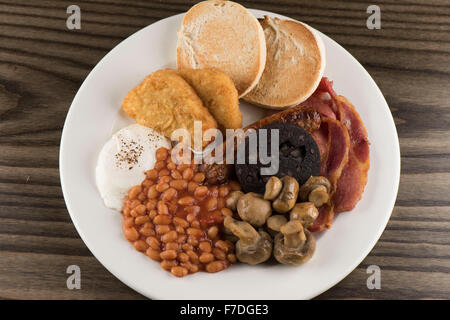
pixel 298 155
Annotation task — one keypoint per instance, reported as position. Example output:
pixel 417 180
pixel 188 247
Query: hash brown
pixel 218 93
pixel 165 102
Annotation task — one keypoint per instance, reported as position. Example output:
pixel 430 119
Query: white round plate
pixel 95 114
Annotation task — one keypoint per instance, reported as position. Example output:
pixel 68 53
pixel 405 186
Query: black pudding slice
pixel 298 156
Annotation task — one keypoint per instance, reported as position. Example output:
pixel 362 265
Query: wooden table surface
pixel 42 65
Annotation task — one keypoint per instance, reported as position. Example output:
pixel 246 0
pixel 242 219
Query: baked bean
pixel 186 201
pixel 134 203
pixel 205 246
pixel 193 241
pixel 223 191
pixel 226 212
pixel 162 229
pixel 214 191
pixel 213 231
pixel 181 238
pixel 176 175
pixel 194 232
pixel 180 230
pixel 169 236
pixel 171 166
pixel 219 254
pixel 180 222
pixel 152 192
pixel 161 154
pixel 160 164
pixel 153 242
pixel 222 245
pixel 186 247
pixel 151 204
pixel 152 214
pixel 128 222
pixel 168 254
pixel 153 254
pixel 162 219
pixel 162 186
pixel 168 264
pixel 164 172
pixel 231 257
pixel 140 245
pixel 211 204
pixel 141 220
pixel 134 192
pixel 195 224
pixel 192 210
pixel 188 174
pixel 131 234
pixel 179 271
pixel 162 207
pixel 206 257
pixel 179 184
pixel 152 174
pixel 165 179
pixel 215 266
pixel 183 257
pixel 201 191
pixel 147 231
pixel 172 246
pixel 190 217
pixel 192 186
pixel 174 219
pixel 192 256
pixel 199 177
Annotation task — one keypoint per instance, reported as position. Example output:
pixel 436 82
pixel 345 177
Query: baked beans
pixel 176 219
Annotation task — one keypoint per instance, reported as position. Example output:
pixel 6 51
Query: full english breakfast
pixel 288 173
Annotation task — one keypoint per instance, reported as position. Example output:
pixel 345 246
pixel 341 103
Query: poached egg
pixel 123 160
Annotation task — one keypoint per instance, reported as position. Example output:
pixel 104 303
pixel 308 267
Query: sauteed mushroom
pixel 232 199
pixel 288 195
pixel 273 188
pixel 294 245
pixel 253 247
pixel 316 190
pixel 305 212
pixel 252 208
pixel 275 222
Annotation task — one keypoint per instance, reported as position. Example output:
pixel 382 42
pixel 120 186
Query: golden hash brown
pixel 165 102
pixel 218 93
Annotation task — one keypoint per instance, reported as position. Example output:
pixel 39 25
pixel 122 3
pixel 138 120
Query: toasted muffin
pixel 218 94
pixel 294 66
pixel 224 35
pixel 165 102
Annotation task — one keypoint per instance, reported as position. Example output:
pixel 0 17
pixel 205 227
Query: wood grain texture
pixel 42 65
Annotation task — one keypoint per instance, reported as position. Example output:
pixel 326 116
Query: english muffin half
pixel 224 35
pixel 294 66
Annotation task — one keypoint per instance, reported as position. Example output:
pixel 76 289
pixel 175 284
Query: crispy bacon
pixel 347 174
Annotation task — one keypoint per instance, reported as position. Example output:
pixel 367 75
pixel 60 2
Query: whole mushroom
pixel 288 195
pixel 273 188
pixel 253 247
pixel 293 245
pixel 305 212
pixel 275 222
pixel 232 199
pixel 252 208
pixel 316 190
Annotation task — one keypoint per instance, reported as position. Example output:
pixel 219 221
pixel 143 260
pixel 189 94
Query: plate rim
pixel 316 292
